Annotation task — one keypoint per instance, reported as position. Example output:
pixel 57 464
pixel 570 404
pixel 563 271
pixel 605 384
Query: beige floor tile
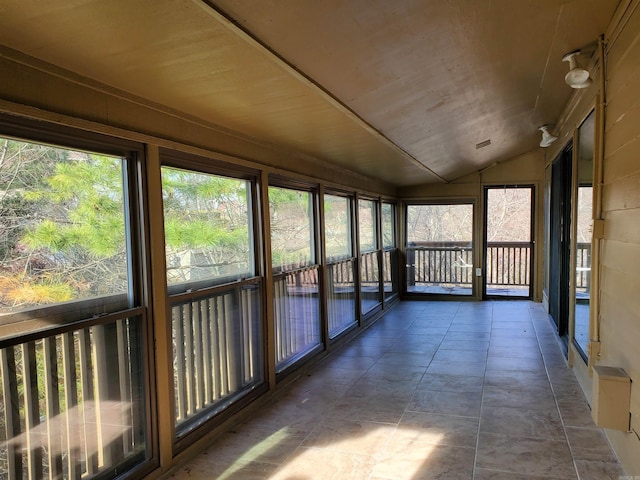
pixel 253 443
pixel 448 403
pixel 450 368
pixel 483 474
pixel 437 462
pixel 521 455
pixel 521 422
pixel 515 397
pixel 225 471
pixel 418 428
pixel 320 464
pixel 575 413
pixel 382 409
pixel 599 470
pixel 589 444
pixel 450 383
pixel 351 436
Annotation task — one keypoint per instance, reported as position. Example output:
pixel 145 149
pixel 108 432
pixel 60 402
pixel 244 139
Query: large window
pixel 214 295
pixel 440 249
pixel 295 274
pixel 64 229
pixel 370 288
pixel 208 231
pixel 72 325
pixel 341 286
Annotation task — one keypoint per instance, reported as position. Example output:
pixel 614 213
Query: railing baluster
pixel 179 366
pixel 207 374
pixel 233 353
pixel 87 390
pixel 198 379
pixel 187 318
pixel 52 402
pixel 216 367
pixel 11 411
pixel 72 418
pixel 124 392
pixel 31 409
pixel 224 353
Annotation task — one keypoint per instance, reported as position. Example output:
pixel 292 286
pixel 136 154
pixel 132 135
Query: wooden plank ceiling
pixel 399 90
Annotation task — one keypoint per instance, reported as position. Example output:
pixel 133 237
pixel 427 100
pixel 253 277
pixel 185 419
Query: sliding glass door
pixel 509 241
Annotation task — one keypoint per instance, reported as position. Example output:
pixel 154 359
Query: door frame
pixel 532 242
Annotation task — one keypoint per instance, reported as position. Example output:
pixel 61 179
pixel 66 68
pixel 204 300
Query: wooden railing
pixel 73 399
pixel 509 264
pixel 440 263
pixel 217 348
pixel 583 267
pixel 390 272
pixel 341 296
pixel 451 263
pixel 370 293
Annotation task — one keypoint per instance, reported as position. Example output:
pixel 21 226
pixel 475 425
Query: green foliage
pixel 90 214
pixel 63 214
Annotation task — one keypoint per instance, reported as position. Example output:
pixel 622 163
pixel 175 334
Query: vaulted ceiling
pixel 398 90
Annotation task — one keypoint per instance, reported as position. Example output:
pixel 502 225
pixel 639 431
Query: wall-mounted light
pixel 577 77
pixel 547 138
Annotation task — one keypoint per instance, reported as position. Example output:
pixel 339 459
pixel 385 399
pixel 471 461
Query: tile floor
pixel 433 390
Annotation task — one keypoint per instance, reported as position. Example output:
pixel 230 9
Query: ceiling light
pixel 547 138
pixel 577 77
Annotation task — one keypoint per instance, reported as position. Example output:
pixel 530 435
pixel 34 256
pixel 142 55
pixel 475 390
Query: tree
pixel 63 225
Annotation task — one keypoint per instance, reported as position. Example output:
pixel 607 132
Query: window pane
pixel 74 403
pixel 337 221
pixel 440 249
pixel 217 351
pixel 296 304
pixel 341 296
pixel 291 228
pixel 388 225
pixel 367 224
pixel 62 218
pixel 370 294
pixel 207 227
pixel 439 223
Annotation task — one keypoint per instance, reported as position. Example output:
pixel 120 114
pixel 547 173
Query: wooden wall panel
pixel 624 194
pixel 618 164
pixel 620 260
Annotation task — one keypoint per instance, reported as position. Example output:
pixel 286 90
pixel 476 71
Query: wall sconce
pixel 547 138
pixel 577 77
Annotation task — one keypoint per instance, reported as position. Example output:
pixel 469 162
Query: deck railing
pixel 341 295
pixel 73 399
pixel 440 263
pixel 296 305
pixel 509 264
pixel 583 267
pixel 451 263
pixel 217 348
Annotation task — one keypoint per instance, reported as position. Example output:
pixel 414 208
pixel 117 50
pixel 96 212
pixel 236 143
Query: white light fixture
pixel 547 138
pixel 577 77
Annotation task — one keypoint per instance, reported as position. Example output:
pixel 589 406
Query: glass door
pixel 584 215
pixel 559 241
pixel 508 230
